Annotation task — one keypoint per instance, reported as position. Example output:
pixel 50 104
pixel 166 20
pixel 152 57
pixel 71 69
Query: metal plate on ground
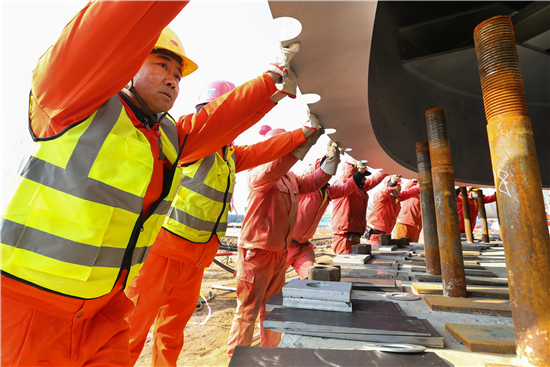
pixel 403 296
pixel 351 259
pixel 271 357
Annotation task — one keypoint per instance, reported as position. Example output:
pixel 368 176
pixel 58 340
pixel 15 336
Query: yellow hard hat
pixel 169 41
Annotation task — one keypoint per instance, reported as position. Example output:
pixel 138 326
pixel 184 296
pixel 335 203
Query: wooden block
pixel 484 338
pixel 491 307
pixel 377 285
pixel 497 282
pixel 275 357
pixel 475 291
pixel 471 272
pixel 464 253
pixel 474 267
pixel 421 260
pixel 361 249
pixel 343 322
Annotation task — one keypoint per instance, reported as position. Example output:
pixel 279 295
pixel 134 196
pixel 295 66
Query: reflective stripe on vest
pixel 201 205
pixel 68 227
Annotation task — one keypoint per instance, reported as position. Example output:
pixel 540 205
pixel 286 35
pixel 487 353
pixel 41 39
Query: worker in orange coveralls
pixel 409 220
pixel 474 208
pixel 349 213
pixel 266 233
pixel 310 211
pixel 386 206
pixel 168 286
pixel 94 193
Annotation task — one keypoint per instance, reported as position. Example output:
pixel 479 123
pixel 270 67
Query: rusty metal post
pixel 482 216
pixel 429 224
pixel 519 189
pixel 466 215
pixel 448 230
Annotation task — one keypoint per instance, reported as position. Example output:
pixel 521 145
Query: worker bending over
pixel 472 203
pixel 311 208
pixel 265 236
pixel 409 220
pixel 386 206
pixel 349 213
pixel 168 286
pixel 93 195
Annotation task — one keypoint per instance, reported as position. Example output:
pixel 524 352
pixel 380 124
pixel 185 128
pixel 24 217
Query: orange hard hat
pixel 169 41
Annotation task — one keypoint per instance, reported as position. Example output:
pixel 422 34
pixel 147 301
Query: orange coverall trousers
pixel 175 302
pixel 404 230
pixel 341 245
pixel 63 331
pixel 260 275
pixel 300 257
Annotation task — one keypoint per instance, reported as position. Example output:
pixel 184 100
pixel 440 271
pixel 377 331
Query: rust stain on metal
pixel 518 185
pixel 466 215
pixel 448 230
pixel 482 216
pixel 429 224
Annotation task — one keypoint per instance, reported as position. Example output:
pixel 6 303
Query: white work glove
pixel 312 121
pixel 330 164
pixel 282 60
pixel 301 151
pixel 361 166
pixel 289 84
pixel 395 179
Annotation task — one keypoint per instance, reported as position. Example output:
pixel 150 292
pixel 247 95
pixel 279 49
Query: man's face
pixel 397 189
pixel 157 82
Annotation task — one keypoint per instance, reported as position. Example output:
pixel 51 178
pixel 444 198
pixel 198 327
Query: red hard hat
pixel 214 90
pixel 274 132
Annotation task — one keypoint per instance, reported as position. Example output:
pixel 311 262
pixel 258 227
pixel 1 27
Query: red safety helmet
pixel 214 90
pixel 264 129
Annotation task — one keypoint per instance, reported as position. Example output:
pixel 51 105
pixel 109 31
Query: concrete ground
pixel 455 353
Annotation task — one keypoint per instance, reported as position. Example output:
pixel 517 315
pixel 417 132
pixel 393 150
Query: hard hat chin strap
pixel 142 103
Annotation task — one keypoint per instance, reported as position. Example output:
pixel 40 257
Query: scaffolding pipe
pixel 429 224
pixel 448 230
pixel 519 189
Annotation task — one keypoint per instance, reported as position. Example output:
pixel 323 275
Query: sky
pixel 232 41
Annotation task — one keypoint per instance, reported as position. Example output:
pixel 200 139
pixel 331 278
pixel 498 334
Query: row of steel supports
pixel 519 194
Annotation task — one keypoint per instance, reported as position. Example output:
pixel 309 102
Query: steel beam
pixel 519 190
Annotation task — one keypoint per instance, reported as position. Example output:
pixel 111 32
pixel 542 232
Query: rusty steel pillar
pixel 482 216
pixel 519 189
pixel 466 215
pixel 448 230
pixel 429 224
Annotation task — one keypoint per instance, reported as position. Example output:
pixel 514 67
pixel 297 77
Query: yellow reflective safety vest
pixel 203 198
pixel 75 219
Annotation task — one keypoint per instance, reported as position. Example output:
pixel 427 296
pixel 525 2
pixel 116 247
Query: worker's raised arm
pixel 313 181
pixel 264 177
pixel 249 156
pixel 96 55
pixel 490 198
pixel 337 191
pixel 219 122
pixel 374 180
pixel 408 194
